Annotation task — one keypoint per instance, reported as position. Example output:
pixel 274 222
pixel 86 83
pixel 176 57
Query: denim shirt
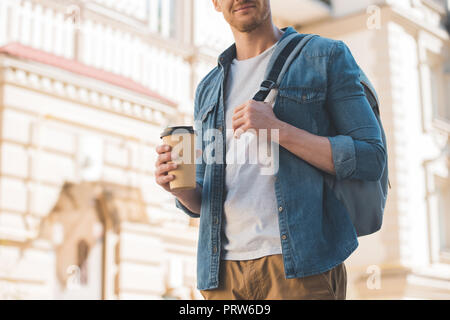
pixel 320 93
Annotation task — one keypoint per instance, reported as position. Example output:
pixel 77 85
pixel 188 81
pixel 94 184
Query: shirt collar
pixel 229 54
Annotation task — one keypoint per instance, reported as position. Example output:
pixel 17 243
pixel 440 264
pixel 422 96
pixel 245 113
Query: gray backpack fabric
pixel 364 200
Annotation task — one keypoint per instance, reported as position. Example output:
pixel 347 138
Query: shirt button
pixel 284 237
pixel 215 249
pixel 280 209
pixel 216 220
pixel 220 128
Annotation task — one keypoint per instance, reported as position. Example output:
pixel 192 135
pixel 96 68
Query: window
pixel 172 19
pixel 443 198
pixel 439 90
pixel 160 16
pixel 163 17
pixel 446 103
pixel 82 255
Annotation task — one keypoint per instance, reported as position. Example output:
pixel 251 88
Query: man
pixel 285 235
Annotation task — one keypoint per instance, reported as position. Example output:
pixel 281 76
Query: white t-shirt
pixel 250 228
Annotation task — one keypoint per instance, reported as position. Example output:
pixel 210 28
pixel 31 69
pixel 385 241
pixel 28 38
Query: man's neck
pixel 253 43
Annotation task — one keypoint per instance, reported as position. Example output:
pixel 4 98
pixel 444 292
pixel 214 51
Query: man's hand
pixel 316 150
pixel 255 115
pixel 163 167
pixel 191 199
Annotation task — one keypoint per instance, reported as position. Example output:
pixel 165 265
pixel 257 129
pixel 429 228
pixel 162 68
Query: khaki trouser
pixel 264 278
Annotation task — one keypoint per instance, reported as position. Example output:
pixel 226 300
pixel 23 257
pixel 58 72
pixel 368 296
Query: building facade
pixel 87 86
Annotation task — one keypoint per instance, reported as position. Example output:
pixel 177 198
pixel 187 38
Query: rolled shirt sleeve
pixel 179 205
pixel 357 149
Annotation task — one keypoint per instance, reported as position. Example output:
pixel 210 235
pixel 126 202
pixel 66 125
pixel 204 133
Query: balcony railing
pixel 98 45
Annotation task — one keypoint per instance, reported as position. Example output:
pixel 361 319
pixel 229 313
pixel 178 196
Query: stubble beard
pixel 252 25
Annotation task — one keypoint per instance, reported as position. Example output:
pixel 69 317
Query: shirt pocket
pixel 303 95
pixel 205 112
pixel 303 107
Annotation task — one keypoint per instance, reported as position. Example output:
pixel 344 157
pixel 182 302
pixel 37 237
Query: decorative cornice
pixel 29 53
pixel 66 85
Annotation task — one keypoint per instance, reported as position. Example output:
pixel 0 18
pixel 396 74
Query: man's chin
pixel 247 26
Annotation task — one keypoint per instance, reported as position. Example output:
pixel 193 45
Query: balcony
pixel 294 12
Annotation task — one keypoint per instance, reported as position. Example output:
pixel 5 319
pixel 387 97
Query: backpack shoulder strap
pixel 280 62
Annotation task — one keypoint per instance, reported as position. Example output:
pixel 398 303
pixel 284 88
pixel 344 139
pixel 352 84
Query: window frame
pixel 174 17
pixel 431 52
pixel 437 175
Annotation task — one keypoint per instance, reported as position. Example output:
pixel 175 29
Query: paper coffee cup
pixel 182 141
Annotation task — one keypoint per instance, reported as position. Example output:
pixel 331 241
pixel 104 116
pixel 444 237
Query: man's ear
pixel 217 5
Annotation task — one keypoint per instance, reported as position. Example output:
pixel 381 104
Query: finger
pixel 240 107
pixel 163 158
pixel 164 168
pixel 239 131
pixel 165 179
pixel 163 148
pixel 239 122
pixel 239 114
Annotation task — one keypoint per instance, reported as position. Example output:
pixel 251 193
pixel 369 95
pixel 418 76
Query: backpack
pixel 364 200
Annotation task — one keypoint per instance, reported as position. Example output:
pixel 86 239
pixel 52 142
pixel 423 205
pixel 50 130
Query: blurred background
pixel 87 86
